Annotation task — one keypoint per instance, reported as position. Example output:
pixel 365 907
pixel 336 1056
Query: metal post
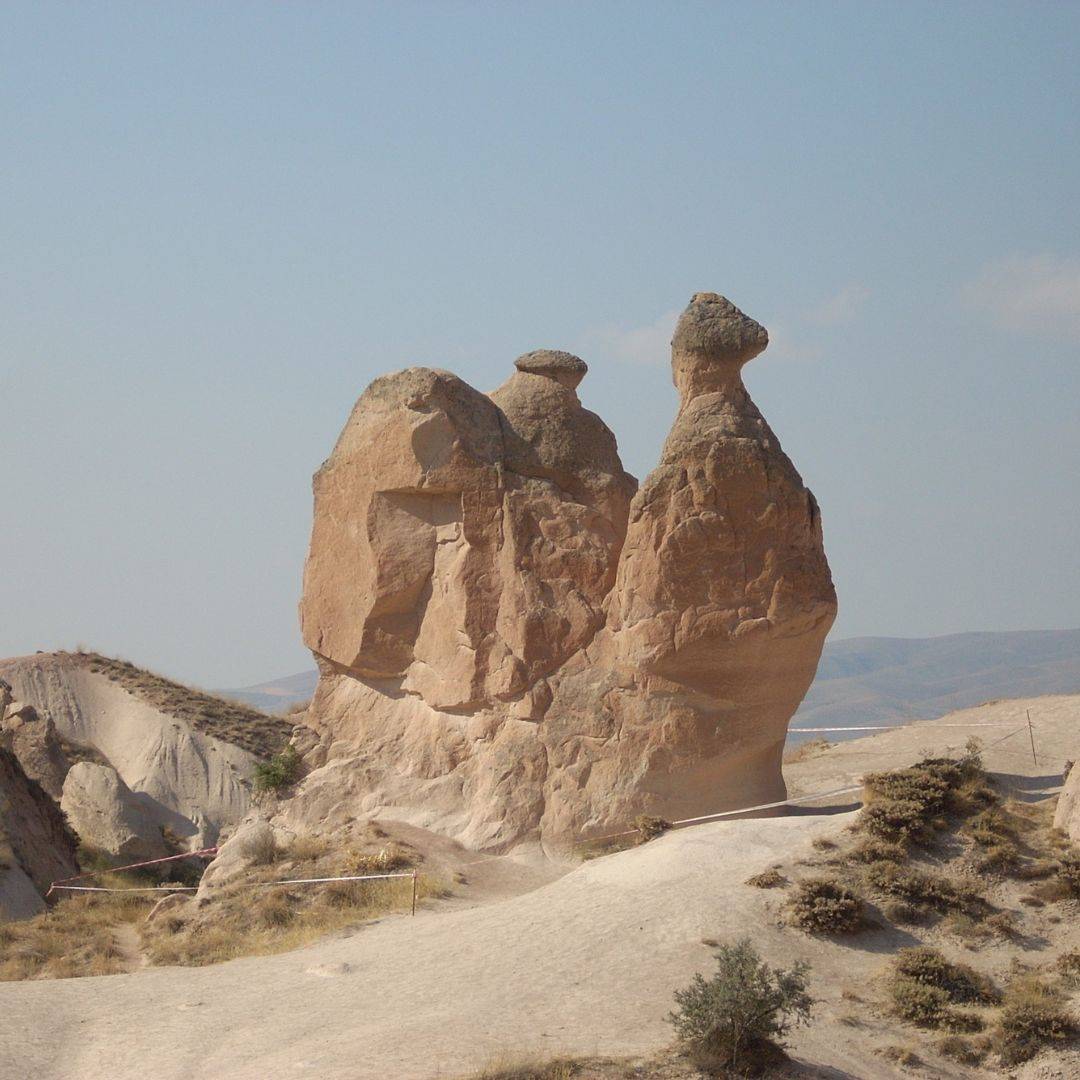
pixel 414 892
pixel 1031 736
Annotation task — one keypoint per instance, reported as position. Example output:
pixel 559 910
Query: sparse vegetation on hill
pixel 254 731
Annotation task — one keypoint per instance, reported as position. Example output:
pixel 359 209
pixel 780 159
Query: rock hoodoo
pixel 516 645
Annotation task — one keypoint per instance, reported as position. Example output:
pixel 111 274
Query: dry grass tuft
pixel 77 937
pixel 238 920
pixel 767 879
pixel 812 748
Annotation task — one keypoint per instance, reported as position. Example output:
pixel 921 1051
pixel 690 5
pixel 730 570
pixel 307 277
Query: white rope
pixel 246 884
pixel 891 727
pixel 148 888
pixel 319 880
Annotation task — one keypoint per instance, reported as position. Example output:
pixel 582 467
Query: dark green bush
pixel 737 1020
pixel 280 771
pixel 826 907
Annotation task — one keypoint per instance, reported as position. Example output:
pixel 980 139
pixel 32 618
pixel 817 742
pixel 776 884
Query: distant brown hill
pixel 880 680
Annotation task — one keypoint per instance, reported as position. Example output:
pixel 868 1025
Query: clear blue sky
pixel 221 221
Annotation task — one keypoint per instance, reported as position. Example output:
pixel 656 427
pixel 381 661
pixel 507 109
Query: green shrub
pixel 280 771
pixel 925 1006
pixel 738 1019
pixel 827 907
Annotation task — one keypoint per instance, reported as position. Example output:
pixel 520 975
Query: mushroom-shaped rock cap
pixel 563 367
pixel 713 339
pixel 716 329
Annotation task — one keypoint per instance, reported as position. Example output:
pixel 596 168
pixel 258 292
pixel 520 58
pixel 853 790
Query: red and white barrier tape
pixel 131 866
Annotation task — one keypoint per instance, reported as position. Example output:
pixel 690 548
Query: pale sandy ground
pixel 585 964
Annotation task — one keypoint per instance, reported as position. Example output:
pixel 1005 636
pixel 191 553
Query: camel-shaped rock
pixel 517 645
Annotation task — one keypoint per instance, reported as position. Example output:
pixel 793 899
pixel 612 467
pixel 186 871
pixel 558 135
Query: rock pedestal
pixel 516 645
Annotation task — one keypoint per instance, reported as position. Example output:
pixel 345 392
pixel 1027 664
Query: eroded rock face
pixel 33 739
pixel 36 846
pixel 514 646
pixel 108 815
pixel 1067 815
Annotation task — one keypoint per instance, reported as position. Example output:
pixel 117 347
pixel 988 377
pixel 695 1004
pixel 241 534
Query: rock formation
pixel 1067 815
pixel 108 815
pixel 514 647
pixel 190 770
pixel 34 741
pixel 36 846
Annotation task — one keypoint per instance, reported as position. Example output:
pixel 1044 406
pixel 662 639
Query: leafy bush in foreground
pixel 737 1019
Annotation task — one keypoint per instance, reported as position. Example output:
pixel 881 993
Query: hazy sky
pixel 221 221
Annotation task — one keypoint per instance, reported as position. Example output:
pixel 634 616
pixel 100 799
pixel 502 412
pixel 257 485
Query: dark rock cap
pixel 563 367
pixel 713 328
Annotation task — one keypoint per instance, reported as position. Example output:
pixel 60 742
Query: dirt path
pixel 128 942
pixel 583 965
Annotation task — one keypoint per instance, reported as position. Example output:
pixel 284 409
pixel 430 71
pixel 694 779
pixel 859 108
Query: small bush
pixel 1068 963
pixel 738 1018
pixel 1031 1019
pixel 920 887
pixel 767 879
pixel 924 1006
pixel 908 804
pixel 279 772
pixel 957 1048
pixel 822 906
pixel 902 913
pixel 900 1055
pixel 872 850
pixel 651 827
pixel 1069 872
pixel 962 984
pixel 1001 858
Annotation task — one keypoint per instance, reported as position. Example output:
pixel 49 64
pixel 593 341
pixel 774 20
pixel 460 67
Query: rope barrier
pixel 246 884
pixel 131 866
pixel 890 727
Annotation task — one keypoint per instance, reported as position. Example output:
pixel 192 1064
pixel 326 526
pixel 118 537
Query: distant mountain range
pixel 872 680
